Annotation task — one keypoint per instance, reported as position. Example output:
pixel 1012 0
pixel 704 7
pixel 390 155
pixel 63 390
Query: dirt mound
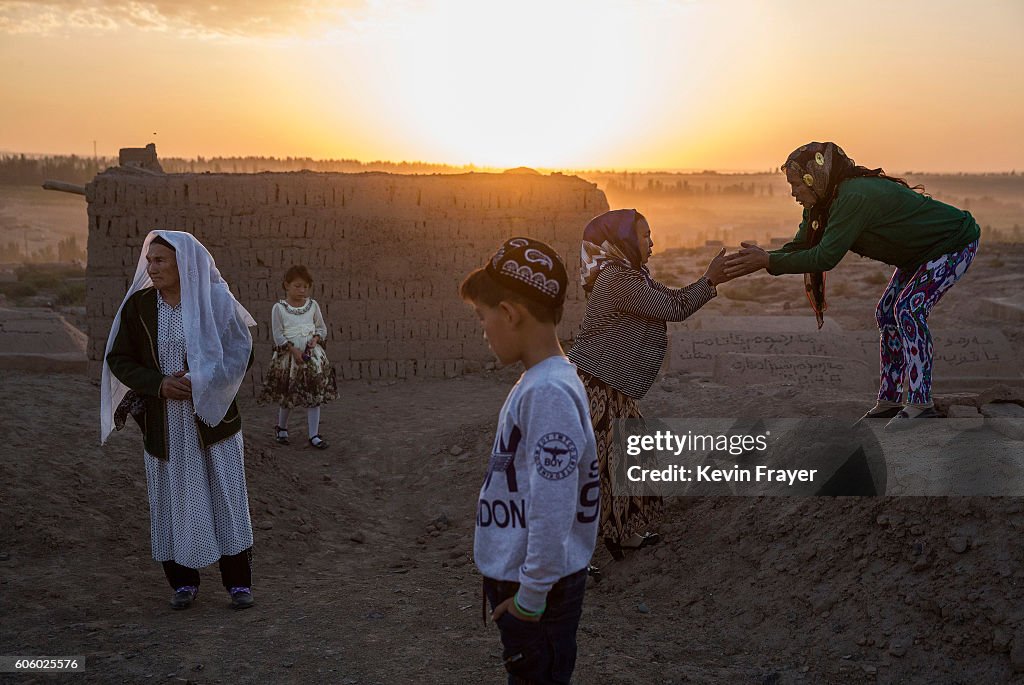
pixel 904 590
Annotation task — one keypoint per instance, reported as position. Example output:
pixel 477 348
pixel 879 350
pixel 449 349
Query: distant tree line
pixel 25 170
pixel 66 251
pixel 637 184
pixel 21 169
pixel 255 165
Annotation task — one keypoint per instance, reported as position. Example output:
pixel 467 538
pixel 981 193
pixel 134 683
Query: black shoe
pixel 646 540
pixel 883 413
pixel 318 442
pixel 184 596
pixel 614 548
pixel 880 414
pixel 904 420
pixel 241 598
pixel 281 435
pixel 618 550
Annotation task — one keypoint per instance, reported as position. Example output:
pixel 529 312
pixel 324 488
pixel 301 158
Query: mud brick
pixel 406 349
pixel 423 309
pixel 365 350
pixel 477 350
pixel 443 349
pixel 338 351
pixel 387 251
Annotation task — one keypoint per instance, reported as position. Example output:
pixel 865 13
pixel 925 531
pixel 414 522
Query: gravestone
pixel 760 324
pixel 697 350
pixel 971 360
pixel 1009 309
pixel 740 369
pixel 40 340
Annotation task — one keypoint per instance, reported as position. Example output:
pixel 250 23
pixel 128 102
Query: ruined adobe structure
pixel 387 252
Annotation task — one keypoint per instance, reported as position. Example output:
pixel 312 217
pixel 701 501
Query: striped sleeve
pixel 634 294
pixel 661 287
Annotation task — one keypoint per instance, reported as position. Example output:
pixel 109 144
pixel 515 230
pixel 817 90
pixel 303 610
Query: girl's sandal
pixel 281 436
pixel 318 442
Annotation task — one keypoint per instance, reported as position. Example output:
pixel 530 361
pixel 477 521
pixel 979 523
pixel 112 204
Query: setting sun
pixel 509 89
pixel 551 84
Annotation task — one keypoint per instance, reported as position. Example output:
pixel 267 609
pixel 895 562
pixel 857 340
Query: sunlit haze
pixel 735 85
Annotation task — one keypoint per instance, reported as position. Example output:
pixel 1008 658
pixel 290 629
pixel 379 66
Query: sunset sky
pixel 735 84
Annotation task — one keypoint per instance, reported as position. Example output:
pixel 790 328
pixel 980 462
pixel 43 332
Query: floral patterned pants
pixel 905 347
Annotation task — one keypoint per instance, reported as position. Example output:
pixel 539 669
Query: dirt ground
pixel 363 571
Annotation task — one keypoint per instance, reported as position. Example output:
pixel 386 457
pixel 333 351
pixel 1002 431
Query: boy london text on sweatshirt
pixel 537 515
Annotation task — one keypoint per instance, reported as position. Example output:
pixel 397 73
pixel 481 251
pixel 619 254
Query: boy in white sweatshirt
pixel 537 514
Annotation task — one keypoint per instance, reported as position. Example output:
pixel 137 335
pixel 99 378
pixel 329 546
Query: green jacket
pixel 135 362
pixel 882 220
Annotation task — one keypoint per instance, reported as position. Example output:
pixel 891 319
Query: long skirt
pixel 621 517
pixel 308 384
pixel 198 501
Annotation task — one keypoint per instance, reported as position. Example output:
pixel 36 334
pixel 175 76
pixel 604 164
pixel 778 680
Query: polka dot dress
pixel 198 503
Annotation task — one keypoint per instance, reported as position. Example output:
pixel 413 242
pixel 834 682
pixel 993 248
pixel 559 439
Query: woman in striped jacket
pixel 621 346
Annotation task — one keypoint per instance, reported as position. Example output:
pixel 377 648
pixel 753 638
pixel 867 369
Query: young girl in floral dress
pixel 300 375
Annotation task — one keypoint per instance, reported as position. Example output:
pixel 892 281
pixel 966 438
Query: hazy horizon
pixel 490 169
pixel 549 84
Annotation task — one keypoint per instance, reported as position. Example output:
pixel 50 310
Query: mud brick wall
pixel 386 251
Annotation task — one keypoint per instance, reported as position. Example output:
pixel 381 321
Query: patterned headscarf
pixel 822 166
pixel 610 237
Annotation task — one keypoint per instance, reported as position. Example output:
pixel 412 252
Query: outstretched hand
pixel 746 261
pixel 716 269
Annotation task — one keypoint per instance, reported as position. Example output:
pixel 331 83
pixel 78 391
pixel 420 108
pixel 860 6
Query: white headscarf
pixel 217 338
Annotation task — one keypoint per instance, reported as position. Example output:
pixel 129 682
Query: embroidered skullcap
pixel 531 268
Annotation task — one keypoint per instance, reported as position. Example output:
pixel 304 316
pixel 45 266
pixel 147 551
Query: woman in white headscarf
pixel 175 358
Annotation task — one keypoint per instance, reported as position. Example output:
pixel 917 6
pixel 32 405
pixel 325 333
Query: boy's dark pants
pixel 542 653
pixel 235 571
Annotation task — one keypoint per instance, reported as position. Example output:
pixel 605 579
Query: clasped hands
pixel 725 267
pixel 176 387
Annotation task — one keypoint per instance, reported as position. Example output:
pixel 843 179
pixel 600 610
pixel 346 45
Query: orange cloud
pixel 223 18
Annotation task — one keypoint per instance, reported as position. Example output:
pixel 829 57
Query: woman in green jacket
pixel 850 208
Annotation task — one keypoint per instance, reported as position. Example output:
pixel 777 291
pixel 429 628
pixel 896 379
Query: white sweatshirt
pixel 537 516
